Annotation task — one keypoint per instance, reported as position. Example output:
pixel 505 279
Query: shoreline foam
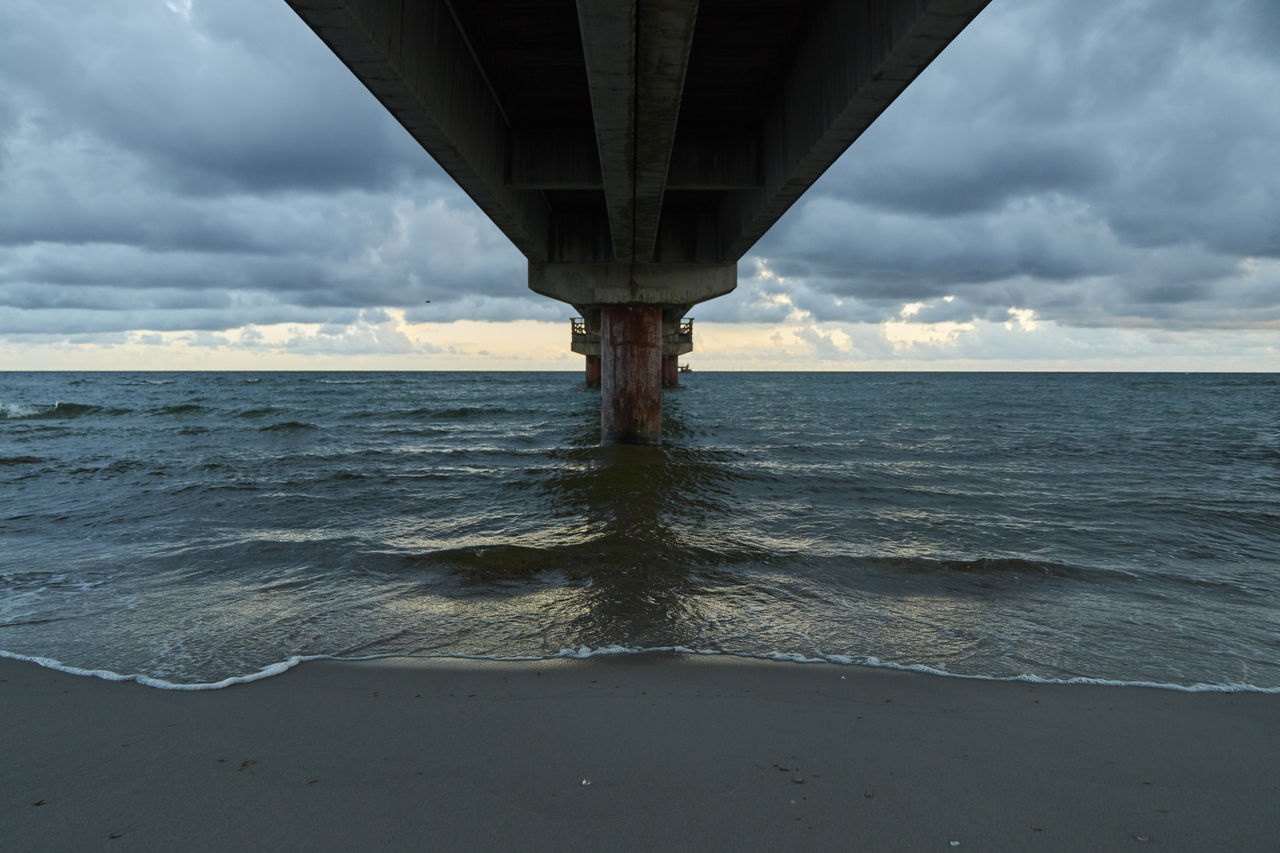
pixel 585 653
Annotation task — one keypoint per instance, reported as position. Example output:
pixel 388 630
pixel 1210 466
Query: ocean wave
pixel 608 549
pixel 1154 579
pixel 58 411
pixel 140 380
pixel 180 409
pixel 160 683
pixel 288 426
pixel 339 476
pixel 21 460
pixel 587 653
pixel 996 566
pixel 460 412
pixel 585 560
pixel 17 411
pixel 115 466
pixel 76 410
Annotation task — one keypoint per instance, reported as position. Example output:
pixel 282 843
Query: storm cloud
pixel 206 166
pixel 1101 163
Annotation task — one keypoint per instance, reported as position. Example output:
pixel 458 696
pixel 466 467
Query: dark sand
pixel 638 753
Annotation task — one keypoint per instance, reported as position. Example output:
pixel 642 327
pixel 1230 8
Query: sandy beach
pixel 631 753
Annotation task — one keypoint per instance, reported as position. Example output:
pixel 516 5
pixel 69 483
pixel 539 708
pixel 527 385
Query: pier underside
pixel 634 150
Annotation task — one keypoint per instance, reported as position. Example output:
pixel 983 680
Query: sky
pixel 1071 185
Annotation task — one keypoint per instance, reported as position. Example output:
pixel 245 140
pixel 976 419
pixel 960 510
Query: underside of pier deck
pixel 634 150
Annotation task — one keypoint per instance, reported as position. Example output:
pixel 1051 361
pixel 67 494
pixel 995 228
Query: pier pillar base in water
pixel 670 371
pixel 593 371
pixel 630 374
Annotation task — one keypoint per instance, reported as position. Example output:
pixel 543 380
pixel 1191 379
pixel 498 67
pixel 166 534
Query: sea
pixel 195 530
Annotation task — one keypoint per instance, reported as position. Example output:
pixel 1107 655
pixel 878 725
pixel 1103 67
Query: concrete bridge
pixel 634 150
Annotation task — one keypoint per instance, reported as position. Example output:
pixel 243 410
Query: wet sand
pixel 631 753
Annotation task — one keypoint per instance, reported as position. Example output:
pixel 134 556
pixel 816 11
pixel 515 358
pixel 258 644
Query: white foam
pixel 160 683
pixel 870 661
pixel 1036 679
pixel 585 652
pixel 17 410
pixel 876 663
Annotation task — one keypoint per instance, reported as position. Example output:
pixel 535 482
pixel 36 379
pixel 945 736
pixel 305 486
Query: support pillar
pixel 670 371
pixel 630 374
pixel 593 371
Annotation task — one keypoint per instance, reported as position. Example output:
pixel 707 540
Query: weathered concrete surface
pixel 709 159
pixel 670 371
pixel 677 332
pixel 636 55
pixel 677 340
pixel 614 284
pixel 631 374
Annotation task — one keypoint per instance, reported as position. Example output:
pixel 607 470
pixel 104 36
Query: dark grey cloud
pixel 984 178
pixel 209 164
pixel 236 96
pixel 1100 162
pixel 206 165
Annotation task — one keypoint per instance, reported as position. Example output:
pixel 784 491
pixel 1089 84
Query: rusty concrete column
pixel 630 374
pixel 593 371
pixel 670 371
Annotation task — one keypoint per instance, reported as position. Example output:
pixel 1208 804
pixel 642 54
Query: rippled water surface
pixel 196 526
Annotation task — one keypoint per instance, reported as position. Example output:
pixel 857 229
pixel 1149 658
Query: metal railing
pixel 578 327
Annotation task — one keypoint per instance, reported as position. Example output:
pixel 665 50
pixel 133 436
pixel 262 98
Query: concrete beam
pixel 636 57
pixel 685 236
pixel 608 30
pixel 553 159
pixel 567 159
pixel 587 285
pixel 855 60
pixel 715 159
pixel 580 236
pixel 416 62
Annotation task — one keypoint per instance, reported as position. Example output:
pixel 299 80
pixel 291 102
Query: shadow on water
pixel 648 545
